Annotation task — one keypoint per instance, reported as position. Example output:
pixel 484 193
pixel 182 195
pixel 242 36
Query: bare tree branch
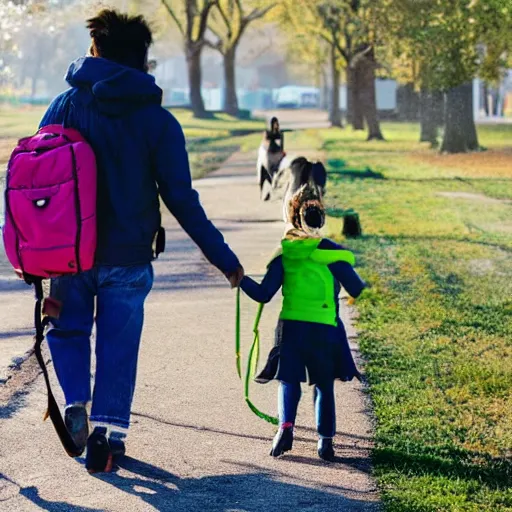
pixel 190 10
pixel 360 55
pixel 218 45
pixel 342 51
pixel 240 7
pixel 203 23
pixel 215 32
pixel 261 52
pixel 174 17
pixel 225 18
pixel 258 13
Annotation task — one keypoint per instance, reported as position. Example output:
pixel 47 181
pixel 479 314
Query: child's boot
pixel 326 449
pixel 283 441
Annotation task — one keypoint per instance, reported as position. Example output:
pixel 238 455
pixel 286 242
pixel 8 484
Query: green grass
pixel 210 141
pixel 436 327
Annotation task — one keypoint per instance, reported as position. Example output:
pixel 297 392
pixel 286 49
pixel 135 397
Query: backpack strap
pixel 53 410
pixel 330 256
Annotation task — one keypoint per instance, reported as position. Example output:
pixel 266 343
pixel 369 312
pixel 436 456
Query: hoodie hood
pixel 117 90
pixel 307 249
pixel 299 249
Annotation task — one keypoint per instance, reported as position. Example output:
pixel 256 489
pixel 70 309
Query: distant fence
pixel 24 100
pixel 284 97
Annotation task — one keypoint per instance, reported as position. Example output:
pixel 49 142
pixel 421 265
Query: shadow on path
pixel 268 440
pixel 32 494
pixel 251 492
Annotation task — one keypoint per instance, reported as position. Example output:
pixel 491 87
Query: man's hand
pixel 235 278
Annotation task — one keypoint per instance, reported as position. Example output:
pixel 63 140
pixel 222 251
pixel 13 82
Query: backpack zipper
pixel 78 210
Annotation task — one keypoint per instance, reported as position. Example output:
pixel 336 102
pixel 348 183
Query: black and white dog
pixel 303 172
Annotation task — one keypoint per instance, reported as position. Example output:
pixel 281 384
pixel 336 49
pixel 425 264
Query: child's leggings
pixel 288 402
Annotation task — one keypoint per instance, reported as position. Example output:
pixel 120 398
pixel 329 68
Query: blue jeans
pixel 120 293
pixel 288 401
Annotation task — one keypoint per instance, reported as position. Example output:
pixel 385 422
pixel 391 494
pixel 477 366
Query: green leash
pixel 237 344
pixel 252 363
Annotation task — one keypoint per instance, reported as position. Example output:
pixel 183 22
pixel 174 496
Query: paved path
pixel 194 445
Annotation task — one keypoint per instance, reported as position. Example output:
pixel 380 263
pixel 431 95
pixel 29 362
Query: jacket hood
pixel 116 89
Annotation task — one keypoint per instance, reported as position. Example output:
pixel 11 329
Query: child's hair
pixel 121 38
pixel 306 211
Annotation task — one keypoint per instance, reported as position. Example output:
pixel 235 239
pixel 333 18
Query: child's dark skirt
pixel 306 351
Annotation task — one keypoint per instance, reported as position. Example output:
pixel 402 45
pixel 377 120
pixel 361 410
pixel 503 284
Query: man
pixel 141 154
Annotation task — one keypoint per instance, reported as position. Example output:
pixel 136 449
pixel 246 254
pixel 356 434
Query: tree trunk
pixel 36 72
pixel 408 103
pixel 335 114
pixel 428 118
pixel 325 91
pixel 486 99
pixel 33 89
pixel 469 122
pixel 368 96
pixel 495 101
pixel 460 134
pixel 230 97
pixel 195 80
pixel 355 111
pixel 438 107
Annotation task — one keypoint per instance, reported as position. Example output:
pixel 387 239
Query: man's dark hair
pixel 121 38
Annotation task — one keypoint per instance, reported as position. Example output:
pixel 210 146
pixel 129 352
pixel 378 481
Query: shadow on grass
pixel 338 168
pixel 418 459
pixel 339 145
pixel 392 239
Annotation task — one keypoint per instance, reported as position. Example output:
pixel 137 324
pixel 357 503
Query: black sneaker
pixel 77 423
pixel 99 458
pixel 283 442
pixel 326 450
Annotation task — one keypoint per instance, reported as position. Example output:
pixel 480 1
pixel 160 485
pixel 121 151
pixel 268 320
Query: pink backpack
pixel 50 226
pixel 50 204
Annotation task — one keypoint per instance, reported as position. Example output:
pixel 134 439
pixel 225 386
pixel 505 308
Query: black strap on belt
pixel 53 410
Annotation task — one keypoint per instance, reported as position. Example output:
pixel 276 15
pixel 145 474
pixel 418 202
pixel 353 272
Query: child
pixel 310 335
